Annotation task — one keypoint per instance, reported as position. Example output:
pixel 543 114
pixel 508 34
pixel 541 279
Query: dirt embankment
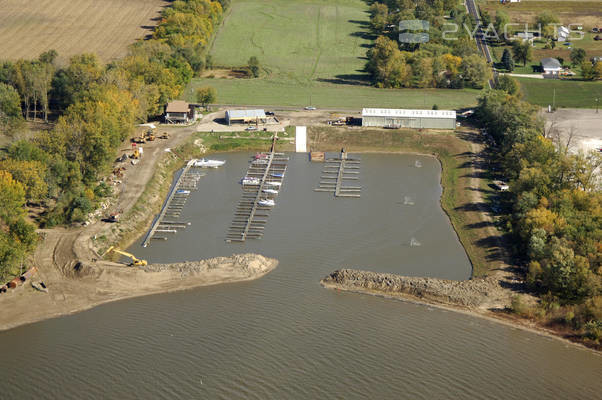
pixel 479 293
pixel 85 285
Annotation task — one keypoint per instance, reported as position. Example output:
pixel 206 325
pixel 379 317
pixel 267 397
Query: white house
pixel 551 66
pixel 563 33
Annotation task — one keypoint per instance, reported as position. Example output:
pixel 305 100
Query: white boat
pixel 250 181
pixel 260 161
pixel 273 183
pixel 204 163
pixel 271 191
pixel 181 191
pixel 267 203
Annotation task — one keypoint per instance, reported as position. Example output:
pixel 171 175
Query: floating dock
pixel 174 204
pixel 263 182
pixel 337 170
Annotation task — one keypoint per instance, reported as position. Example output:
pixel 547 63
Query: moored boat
pixel 204 163
pixel 250 181
pixel 267 202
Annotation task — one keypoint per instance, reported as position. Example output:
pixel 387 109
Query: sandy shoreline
pixel 483 300
pixel 102 282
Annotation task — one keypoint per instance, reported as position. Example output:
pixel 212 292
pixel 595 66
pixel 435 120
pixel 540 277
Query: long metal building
pixel 400 118
pixel 245 116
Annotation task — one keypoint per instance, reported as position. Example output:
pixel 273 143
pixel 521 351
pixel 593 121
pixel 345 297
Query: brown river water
pixel 284 336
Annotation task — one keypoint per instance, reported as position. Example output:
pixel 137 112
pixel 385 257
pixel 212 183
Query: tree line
pixel 554 214
pixel 437 63
pixel 95 107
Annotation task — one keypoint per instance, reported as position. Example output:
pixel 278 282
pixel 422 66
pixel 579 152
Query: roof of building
pixel 550 64
pixel 388 112
pixel 177 106
pixel 525 35
pixel 240 114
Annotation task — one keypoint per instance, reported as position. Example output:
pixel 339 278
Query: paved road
pixel 480 38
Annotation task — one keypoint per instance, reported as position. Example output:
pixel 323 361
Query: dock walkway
pixel 266 172
pixel 173 205
pixel 335 172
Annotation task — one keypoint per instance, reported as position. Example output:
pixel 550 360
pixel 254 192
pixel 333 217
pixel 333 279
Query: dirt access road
pixel 74 287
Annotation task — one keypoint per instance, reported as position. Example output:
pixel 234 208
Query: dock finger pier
pixel 336 171
pixel 260 186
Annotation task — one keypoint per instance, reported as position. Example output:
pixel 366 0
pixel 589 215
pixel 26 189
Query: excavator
pixel 136 262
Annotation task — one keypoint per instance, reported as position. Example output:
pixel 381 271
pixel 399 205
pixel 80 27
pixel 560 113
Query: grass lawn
pixel 312 52
pixel 296 41
pixel 328 95
pixel 569 93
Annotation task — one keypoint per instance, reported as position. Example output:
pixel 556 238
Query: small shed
pixel 179 112
pixel 551 66
pixel 401 118
pixel 245 116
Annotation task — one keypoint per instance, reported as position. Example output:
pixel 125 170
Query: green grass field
pixel 569 94
pixel 328 95
pixel 296 40
pixel 312 52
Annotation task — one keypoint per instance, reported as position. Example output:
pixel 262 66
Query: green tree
pixel 11 117
pixel 206 95
pixel 522 52
pixel 508 84
pixel 507 61
pixel 476 71
pixel 501 20
pixel 546 18
pixel 578 55
pixel 253 65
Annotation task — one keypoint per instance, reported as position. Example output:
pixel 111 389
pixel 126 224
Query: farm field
pixel 312 52
pixel 328 95
pixel 296 41
pixel 107 27
pixel 587 13
pixel 569 94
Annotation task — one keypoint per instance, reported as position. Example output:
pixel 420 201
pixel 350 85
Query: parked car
pixel 251 128
pixel 269 113
pixel 310 108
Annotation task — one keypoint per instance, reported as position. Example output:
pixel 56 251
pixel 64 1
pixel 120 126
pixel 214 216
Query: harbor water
pixel 284 336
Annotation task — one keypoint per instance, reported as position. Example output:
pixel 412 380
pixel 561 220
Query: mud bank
pixel 480 297
pixel 482 293
pixel 85 285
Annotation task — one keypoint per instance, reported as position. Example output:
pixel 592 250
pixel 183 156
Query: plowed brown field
pixel 104 27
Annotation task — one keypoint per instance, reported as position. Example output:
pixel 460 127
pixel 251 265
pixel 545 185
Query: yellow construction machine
pixel 135 261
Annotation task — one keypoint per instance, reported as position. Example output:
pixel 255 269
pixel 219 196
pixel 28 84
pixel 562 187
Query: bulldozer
pixel 150 136
pixel 136 154
pixel 136 262
pixel 164 135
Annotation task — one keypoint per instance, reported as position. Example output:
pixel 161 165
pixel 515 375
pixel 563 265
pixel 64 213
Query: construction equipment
pixel 135 261
pixel 114 217
pixel 164 135
pixel 150 136
pixel 139 139
pixel 136 154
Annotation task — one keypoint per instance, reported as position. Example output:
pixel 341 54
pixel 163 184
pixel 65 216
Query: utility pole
pixel 554 100
pixel 597 103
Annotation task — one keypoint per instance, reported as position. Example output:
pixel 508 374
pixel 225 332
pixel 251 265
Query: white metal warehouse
pixel 245 116
pixel 400 118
